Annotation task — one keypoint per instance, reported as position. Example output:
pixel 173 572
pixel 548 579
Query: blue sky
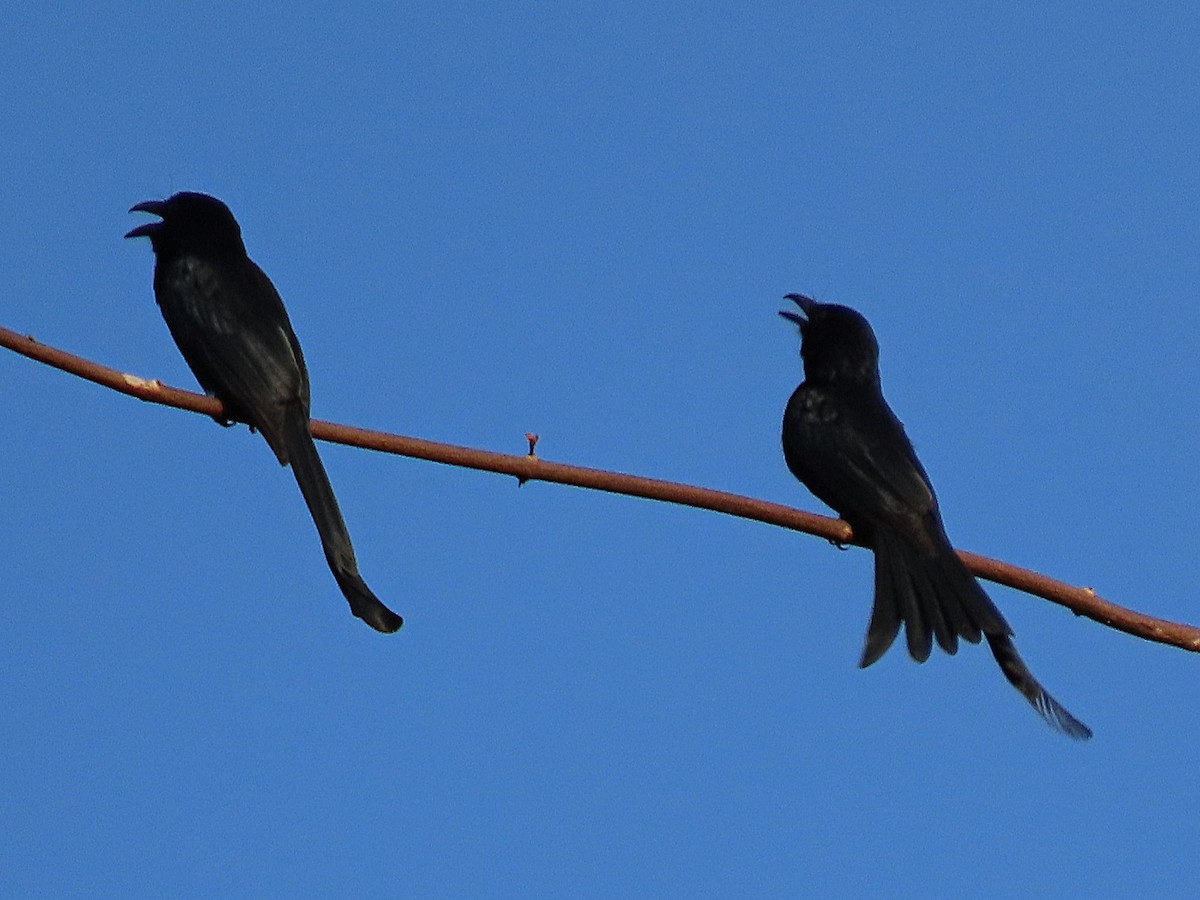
pixel 578 220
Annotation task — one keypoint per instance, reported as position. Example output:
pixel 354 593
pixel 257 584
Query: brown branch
pixel 528 467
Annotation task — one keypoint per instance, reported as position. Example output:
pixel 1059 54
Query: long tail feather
pixel 1019 676
pixel 335 537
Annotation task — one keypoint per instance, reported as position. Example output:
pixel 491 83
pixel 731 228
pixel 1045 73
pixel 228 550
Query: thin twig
pixel 529 467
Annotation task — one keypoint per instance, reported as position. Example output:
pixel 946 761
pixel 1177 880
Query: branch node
pixel 532 455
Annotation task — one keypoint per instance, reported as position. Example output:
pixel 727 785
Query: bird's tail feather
pixel 931 594
pixel 1019 676
pixel 335 538
pixel 934 595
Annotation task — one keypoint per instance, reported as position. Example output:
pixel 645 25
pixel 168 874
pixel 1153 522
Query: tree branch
pixel 528 467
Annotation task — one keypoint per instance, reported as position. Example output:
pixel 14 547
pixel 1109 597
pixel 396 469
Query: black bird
pixel 844 442
pixel 230 325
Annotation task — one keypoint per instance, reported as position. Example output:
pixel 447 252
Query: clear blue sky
pixel 579 220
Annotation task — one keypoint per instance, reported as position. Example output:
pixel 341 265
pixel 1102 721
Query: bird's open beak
pixel 806 305
pixel 154 207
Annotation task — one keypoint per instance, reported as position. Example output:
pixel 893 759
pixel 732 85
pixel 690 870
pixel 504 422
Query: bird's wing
pixel 853 454
pixel 231 327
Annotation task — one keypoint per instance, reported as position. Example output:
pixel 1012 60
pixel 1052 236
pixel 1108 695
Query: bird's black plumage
pixel 233 331
pixel 842 440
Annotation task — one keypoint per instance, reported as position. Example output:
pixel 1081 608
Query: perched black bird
pixel 844 442
pixel 229 322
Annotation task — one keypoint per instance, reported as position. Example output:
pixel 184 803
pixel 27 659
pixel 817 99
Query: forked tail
pixel 935 596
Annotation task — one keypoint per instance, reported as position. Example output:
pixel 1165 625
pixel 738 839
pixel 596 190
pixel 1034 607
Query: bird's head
pixel 190 221
pixel 836 343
